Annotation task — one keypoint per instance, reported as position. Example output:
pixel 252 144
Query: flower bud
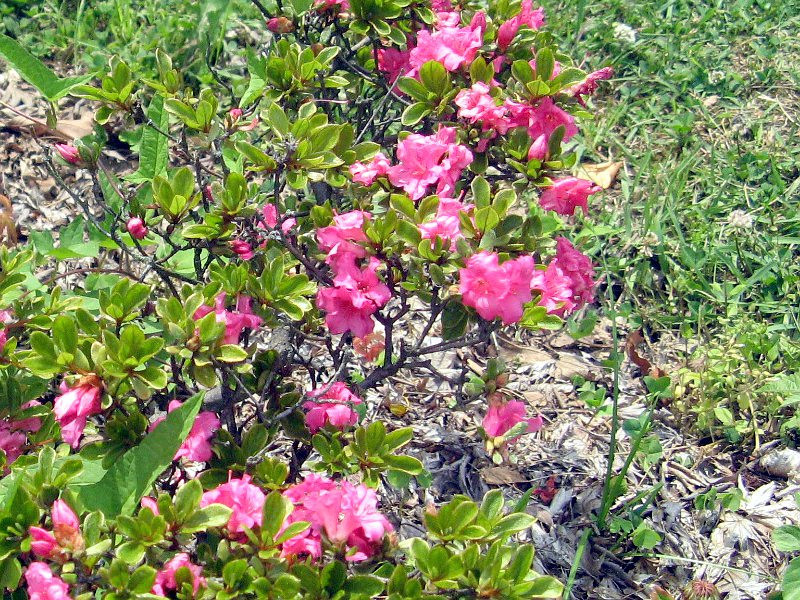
pixel 317 48
pixel 242 249
pixel 137 228
pixel 235 113
pixel 280 25
pixel 69 153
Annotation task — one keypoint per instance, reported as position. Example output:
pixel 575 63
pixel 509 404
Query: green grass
pixel 705 112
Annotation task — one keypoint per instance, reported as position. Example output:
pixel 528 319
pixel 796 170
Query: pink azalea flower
pixel 333 407
pixel 73 407
pixel 526 16
pixel 246 500
pixel 137 228
pixel 347 229
pixel 447 18
pixel 235 113
pixel 69 153
pixel 568 282
pixel 427 159
pixel 367 173
pixel 11 442
pixel 503 416
pixel 453 47
pixel 43 585
pixel 355 296
pixel 588 86
pixel 477 105
pixel 568 193
pixel 555 288
pixel 165 579
pixel 347 514
pixel 578 267
pixel 542 119
pixel 197 445
pixel 496 290
pixel 394 62
pixel 235 321
pixel 270 214
pixel 242 249
pixel 447 223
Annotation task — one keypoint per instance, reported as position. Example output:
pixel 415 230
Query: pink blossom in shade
pixel 137 228
pixel 165 579
pixel 441 5
pixel 73 407
pixel 568 193
pixel 347 514
pixel 197 445
pixel 503 416
pixel 447 18
pixel 69 153
pixel 43 585
pixel 366 173
pixel 453 47
pixel 242 249
pixel 578 267
pixel 333 407
pixel 555 288
pixel 346 229
pixel 539 148
pixel 588 86
pixel 235 321
pixel 246 500
pixel 527 16
pixel 12 443
pixel 393 62
pixel 496 290
pixel 424 160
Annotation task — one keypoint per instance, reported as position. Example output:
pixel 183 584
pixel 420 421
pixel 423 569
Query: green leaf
pixel 513 523
pixel 545 62
pixel 645 538
pixel 434 77
pixel 10 573
pixel 154 148
pixel 231 353
pixel 414 113
pixel 142 580
pixel 545 587
pixel 787 538
pixel 454 320
pixel 364 585
pixel 791 581
pixel 132 476
pixel 213 515
pixel 35 72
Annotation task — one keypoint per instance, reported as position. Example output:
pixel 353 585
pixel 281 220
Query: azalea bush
pixel 193 407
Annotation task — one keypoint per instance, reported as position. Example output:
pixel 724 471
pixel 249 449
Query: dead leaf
pixel 603 174
pixel 502 475
pixel 635 339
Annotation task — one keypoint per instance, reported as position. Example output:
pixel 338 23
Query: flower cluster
pixel 75 405
pixel 346 514
pixel 497 290
pixel 13 434
pixel 568 281
pixel 332 405
pixel 197 445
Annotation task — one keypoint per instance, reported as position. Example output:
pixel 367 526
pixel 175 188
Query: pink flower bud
pixel 64 516
pixel 69 153
pixel 137 228
pixel 280 25
pixel 538 149
pixel 235 113
pixel 242 248
pixel 44 542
